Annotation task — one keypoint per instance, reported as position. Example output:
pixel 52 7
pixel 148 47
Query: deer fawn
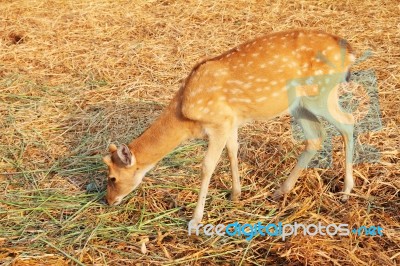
pixel 295 71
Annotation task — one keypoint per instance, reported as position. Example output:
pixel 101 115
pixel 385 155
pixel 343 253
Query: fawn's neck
pixel 165 134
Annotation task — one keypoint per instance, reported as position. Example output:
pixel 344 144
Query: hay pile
pixel 76 75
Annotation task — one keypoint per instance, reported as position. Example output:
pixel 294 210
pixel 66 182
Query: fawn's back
pixel 265 77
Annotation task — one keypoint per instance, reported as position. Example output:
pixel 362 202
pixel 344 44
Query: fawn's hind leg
pixel 314 135
pixel 344 122
pixel 330 109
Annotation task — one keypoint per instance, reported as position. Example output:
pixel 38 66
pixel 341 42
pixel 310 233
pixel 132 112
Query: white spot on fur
pixel 220 72
pixel 235 91
pixel 248 85
pixel 240 100
pixel 318 72
pixel 275 94
pixel 261 99
pixel 234 81
pixel 255 54
pixel 274 82
pixel 263 66
pixel 214 88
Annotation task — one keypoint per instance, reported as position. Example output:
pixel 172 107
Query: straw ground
pixel 76 75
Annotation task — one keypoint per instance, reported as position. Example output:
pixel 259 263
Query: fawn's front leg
pixel 217 140
pixel 232 146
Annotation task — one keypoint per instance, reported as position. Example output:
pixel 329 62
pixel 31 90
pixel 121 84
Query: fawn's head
pixel 122 173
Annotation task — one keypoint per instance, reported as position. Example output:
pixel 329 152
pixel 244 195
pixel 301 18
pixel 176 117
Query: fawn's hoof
pixel 344 198
pixel 193 224
pixel 278 195
pixel 235 197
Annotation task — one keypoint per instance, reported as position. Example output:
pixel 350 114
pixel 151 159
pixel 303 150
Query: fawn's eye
pixel 112 179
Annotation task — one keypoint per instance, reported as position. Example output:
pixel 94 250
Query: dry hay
pixel 75 75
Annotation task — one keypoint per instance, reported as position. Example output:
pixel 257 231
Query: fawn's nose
pixel 113 202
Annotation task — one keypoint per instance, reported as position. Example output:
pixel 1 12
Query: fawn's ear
pixel 112 148
pixel 125 155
